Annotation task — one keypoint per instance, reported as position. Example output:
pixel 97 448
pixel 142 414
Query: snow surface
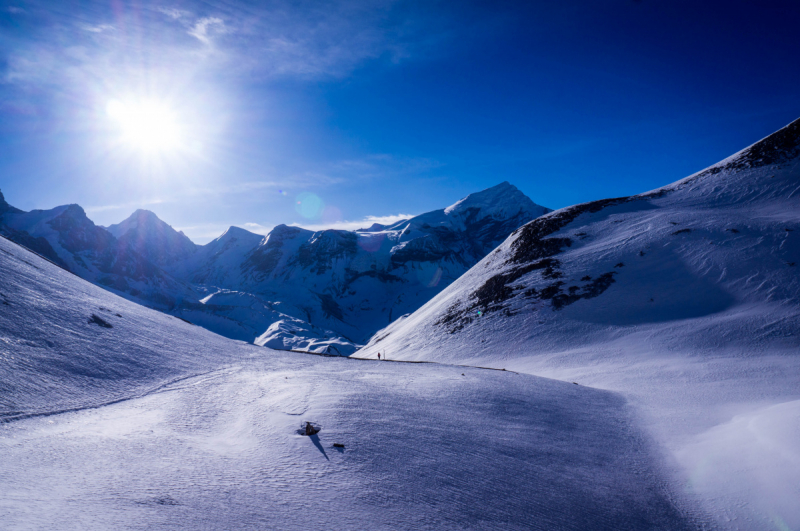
pixel 152 423
pixel 698 326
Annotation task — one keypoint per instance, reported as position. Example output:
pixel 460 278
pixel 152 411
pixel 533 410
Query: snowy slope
pixel 201 432
pixel 685 299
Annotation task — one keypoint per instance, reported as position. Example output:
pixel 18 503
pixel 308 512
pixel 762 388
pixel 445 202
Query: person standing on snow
pixel 379 356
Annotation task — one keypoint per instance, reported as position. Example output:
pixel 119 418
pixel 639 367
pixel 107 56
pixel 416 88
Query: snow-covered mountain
pixel 323 291
pixel 67 237
pixel 686 299
pixel 144 233
pixel 342 286
pixel 115 416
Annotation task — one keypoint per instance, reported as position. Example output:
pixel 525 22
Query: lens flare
pixel 309 205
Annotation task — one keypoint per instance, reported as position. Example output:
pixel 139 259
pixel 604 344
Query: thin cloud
pixel 280 39
pixel 173 13
pixel 203 28
pixel 99 28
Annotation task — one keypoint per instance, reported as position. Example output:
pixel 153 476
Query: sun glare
pixel 146 125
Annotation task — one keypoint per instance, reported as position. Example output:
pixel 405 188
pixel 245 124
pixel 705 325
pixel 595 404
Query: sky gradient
pixel 365 111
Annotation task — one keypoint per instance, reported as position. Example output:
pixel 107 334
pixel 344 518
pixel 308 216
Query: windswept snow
pixel 201 432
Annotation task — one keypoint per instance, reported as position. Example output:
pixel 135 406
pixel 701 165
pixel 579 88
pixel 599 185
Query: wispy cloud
pixel 204 27
pixel 173 13
pixel 98 28
pixel 280 38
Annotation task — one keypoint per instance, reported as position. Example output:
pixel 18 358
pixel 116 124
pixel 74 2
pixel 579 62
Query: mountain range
pixel 324 291
pixel 645 353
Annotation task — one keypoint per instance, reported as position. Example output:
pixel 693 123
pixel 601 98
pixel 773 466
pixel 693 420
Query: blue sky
pixel 364 111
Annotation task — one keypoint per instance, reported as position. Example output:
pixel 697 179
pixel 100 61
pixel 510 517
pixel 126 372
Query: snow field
pixel 201 432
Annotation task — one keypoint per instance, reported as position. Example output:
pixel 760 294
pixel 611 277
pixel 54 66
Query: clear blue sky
pixel 228 113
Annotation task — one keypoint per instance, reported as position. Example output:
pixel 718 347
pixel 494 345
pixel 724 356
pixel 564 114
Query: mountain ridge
pixel 684 299
pixel 322 290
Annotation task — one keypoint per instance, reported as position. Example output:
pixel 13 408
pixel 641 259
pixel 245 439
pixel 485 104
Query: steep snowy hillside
pixel 65 236
pixel 342 286
pixel 114 416
pixel 685 299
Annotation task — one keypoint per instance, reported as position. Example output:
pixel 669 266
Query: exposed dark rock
pixel 778 148
pixel 682 231
pixel 425 249
pixel 99 321
pixel 379 274
pixel 265 258
pixel 320 252
pixel 330 307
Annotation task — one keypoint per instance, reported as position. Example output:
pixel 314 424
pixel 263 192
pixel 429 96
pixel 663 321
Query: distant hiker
pixel 379 356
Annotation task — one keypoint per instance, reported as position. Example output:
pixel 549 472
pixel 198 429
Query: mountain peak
pixel 501 200
pixel 140 218
pixel 238 233
pixel 150 236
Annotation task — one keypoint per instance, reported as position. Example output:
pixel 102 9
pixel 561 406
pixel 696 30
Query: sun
pixel 146 125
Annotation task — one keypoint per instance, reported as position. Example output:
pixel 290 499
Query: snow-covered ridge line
pixel 685 299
